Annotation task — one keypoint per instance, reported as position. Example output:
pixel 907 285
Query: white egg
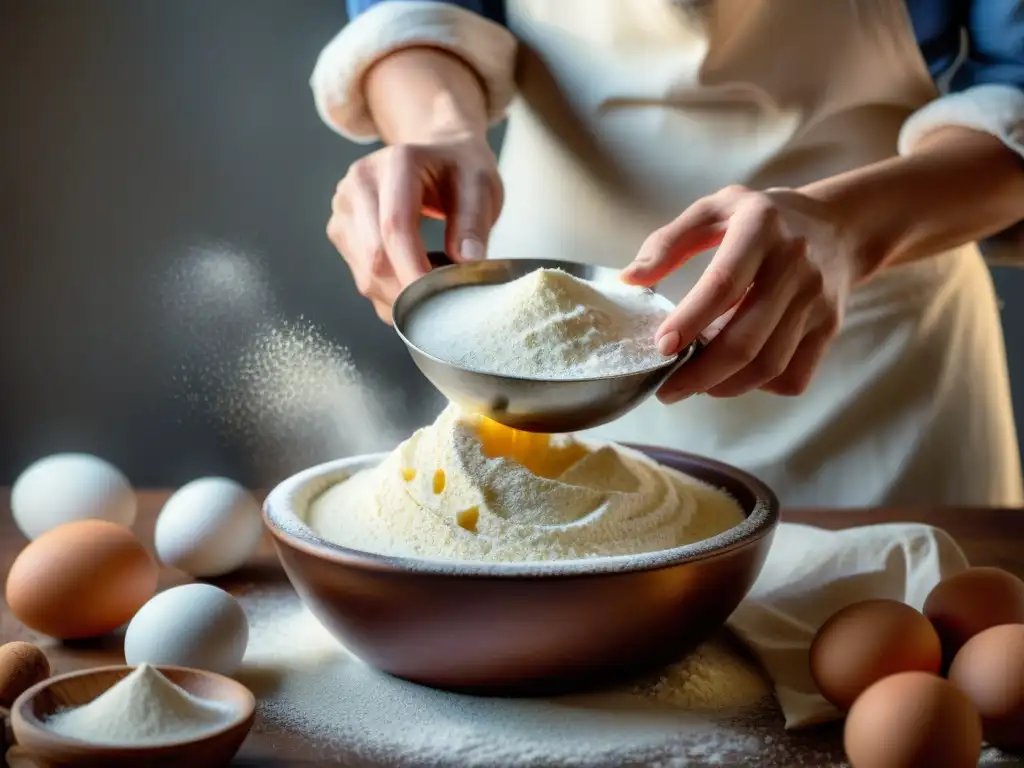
pixel 67 487
pixel 195 625
pixel 209 527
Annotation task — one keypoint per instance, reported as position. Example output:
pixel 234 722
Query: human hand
pixel 375 213
pixel 769 303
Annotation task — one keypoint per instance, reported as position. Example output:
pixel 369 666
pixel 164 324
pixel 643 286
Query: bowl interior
pixel 495 272
pixel 77 689
pixel 286 505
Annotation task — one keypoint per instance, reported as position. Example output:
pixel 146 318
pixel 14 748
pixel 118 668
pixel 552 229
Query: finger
pixel 711 332
pixel 365 252
pixel 401 199
pixel 472 216
pixel 804 363
pixel 751 236
pixel 741 341
pixel 698 228
pixel 383 310
pixel 774 358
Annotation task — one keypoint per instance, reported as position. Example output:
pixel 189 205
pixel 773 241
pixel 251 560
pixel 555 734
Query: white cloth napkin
pixel 810 574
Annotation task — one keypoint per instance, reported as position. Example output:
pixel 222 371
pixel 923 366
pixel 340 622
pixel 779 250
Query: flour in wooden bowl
pixel 547 324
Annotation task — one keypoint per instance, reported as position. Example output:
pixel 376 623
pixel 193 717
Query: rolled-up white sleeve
pixel 986 87
pixel 994 109
pixel 387 27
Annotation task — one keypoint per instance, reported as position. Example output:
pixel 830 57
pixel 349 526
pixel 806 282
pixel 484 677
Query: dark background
pixel 141 145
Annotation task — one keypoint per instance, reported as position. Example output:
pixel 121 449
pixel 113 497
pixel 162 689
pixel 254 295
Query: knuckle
pixel 720 283
pixel 403 155
pixel 830 328
pixel 390 228
pixel 743 349
pixel 360 172
pixel 814 281
pixel 734 191
pixel 378 264
pixel 763 208
pixel 768 367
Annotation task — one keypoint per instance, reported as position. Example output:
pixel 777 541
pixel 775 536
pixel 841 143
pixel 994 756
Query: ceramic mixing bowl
pixel 522 628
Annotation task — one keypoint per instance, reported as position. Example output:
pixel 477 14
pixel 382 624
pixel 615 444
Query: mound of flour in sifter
pixel 545 325
pixel 466 488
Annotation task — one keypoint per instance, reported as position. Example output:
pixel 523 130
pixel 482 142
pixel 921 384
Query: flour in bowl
pixel 547 324
pixel 468 489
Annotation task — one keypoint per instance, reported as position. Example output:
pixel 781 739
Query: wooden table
pixel 987 536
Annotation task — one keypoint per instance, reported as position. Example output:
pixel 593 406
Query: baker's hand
pixel 376 210
pixel 769 303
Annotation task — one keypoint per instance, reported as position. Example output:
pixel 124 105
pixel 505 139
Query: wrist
pixel 861 240
pixel 425 95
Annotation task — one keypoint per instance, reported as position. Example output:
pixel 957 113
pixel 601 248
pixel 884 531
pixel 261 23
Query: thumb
pixel 474 211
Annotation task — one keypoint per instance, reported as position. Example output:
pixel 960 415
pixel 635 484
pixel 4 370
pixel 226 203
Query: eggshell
pixel 209 527
pixel 869 640
pixel 195 625
pixel 81 579
pixel 912 720
pixel 990 670
pixel 67 487
pixel 22 665
pixel 972 601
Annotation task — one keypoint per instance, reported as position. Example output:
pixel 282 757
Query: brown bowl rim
pixel 24 719
pixel 287 527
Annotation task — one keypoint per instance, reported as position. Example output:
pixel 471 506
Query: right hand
pixel 376 210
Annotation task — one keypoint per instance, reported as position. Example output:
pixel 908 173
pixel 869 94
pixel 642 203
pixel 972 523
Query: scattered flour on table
pixel 547 324
pixel 711 709
pixel 143 708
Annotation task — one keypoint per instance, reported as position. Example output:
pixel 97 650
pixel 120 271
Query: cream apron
pixel 629 110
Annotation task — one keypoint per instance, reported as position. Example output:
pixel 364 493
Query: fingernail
pixel 472 249
pixel 675 397
pixel 669 344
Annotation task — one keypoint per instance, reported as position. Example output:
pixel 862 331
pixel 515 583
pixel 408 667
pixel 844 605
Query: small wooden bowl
pixel 75 689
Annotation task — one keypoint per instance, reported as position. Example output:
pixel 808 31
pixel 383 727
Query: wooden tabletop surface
pixel 987 536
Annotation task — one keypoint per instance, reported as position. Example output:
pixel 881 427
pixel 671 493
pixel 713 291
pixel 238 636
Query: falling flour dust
pixel 277 384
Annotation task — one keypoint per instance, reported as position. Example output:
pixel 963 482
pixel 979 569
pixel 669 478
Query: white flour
pixel 451 492
pixel 143 708
pixel 279 386
pixel 545 325
pixel 712 709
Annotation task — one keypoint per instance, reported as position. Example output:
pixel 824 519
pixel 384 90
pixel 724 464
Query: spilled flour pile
pixel 545 325
pixel 702 711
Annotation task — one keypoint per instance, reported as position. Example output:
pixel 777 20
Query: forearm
pixel 958 186
pixel 417 95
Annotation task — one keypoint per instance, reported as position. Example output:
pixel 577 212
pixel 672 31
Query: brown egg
pixel 970 602
pixel 22 665
pixel 990 670
pixel 867 641
pixel 81 579
pixel 913 720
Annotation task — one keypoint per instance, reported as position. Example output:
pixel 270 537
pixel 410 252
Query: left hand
pixel 769 303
